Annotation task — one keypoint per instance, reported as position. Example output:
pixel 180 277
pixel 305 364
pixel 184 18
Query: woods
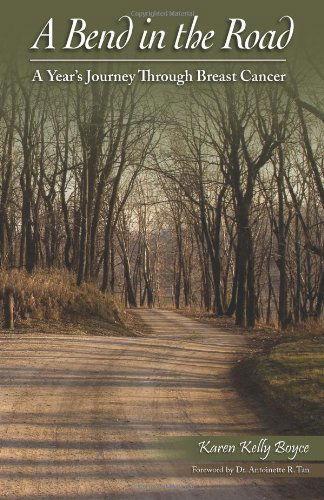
pixel 210 199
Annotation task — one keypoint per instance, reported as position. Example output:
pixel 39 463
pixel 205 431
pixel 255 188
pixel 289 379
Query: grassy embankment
pixel 283 370
pixel 50 302
pixel 289 377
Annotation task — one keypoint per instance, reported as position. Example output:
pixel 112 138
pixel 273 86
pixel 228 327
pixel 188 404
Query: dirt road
pixel 77 414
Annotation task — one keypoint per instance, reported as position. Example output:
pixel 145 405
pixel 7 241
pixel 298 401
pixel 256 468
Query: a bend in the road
pixel 78 414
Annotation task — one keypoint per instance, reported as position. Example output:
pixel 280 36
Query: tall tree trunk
pixel 84 227
pixel 281 244
pixel 298 272
pixel 243 246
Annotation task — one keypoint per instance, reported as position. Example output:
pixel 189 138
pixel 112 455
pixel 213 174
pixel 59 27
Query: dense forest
pixel 209 197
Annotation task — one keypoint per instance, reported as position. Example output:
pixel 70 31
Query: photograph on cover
pixel 161 250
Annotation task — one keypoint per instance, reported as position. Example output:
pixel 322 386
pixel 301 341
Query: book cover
pixel 161 250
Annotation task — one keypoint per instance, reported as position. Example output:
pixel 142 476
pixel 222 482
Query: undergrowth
pixel 53 294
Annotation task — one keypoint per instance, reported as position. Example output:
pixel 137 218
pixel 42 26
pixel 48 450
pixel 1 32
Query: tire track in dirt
pixel 79 415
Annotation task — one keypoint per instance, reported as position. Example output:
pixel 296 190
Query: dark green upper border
pixel 22 21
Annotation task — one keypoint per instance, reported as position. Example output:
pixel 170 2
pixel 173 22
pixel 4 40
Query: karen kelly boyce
pixel 199 75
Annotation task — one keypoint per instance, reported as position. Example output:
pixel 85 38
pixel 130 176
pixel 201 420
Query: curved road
pixel 77 414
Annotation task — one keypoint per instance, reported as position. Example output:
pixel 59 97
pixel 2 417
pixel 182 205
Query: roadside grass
pixel 50 301
pixel 285 370
pixel 289 378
